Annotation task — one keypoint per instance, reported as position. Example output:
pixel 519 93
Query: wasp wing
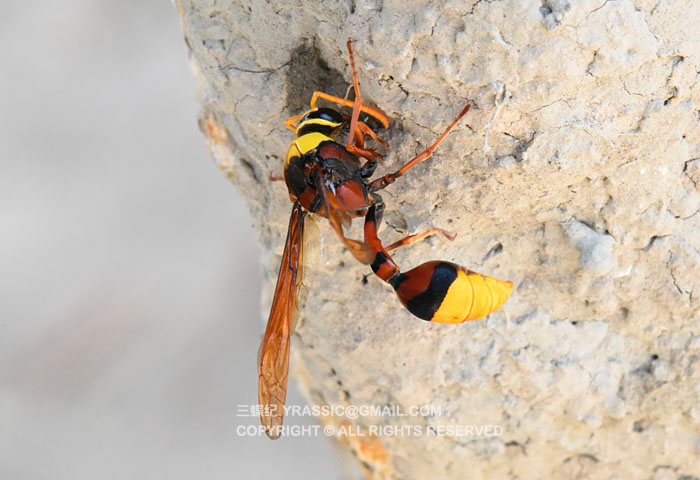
pixel 273 356
pixel 308 265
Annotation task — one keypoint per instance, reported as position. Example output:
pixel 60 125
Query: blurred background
pixel 129 275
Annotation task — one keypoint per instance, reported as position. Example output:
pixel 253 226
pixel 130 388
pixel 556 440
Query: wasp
pixel 332 180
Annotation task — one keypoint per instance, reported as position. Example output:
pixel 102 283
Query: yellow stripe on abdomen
pixel 457 301
pixel 472 296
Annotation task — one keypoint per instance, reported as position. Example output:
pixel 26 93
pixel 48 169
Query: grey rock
pixel 577 159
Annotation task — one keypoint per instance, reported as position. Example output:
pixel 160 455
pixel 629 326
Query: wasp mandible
pixel 332 180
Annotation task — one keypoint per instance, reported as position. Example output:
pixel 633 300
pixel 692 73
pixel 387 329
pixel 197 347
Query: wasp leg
pixel 359 129
pixel 373 112
pixel 275 178
pixel 367 170
pixel 360 250
pixel 364 129
pixel 388 179
pixel 359 140
pixel 353 145
pixel 411 239
pixel 358 148
pixel 366 153
pixel 292 120
pixel 356 105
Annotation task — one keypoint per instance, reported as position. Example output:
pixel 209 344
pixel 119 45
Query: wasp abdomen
pixel 443 292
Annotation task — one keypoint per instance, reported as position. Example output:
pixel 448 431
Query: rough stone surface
pixel 576 175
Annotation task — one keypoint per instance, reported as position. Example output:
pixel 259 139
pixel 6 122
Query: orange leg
pixel 359 138
pixel 382 182
pixel 349 103
pixel 411 239
pixel 358 148
pixel 364 129
pixel 290 122
pixel 356 139
pixel 366 153
pixel 357 105
pixel 274 178
pixel 361 130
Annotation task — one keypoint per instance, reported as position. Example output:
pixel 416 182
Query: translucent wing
pixel 310 254
pixel 273 356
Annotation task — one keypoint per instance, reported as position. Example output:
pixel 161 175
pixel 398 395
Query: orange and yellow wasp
pixel 331 180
